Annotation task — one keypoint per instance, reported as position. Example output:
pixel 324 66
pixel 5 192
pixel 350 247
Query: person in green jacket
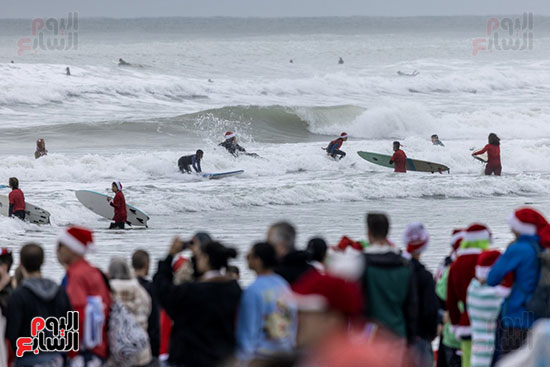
pixel 389 284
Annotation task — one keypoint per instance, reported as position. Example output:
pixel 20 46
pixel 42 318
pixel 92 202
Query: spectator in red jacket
pixel 399 158
pixel 119 203
pixel 88 293
pixel 493 153
pixel 17 200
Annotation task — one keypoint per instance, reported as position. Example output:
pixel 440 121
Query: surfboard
pixel 33 214
pixel 482 157
pixel 217 176
pixel 411 164
pixel 98 204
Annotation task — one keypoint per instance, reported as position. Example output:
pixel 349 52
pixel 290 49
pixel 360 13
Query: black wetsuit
pixel 232 147
pixel 185 163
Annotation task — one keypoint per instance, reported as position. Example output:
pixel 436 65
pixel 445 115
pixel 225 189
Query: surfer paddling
pixel 399 158
pixel 333 148
pixel 436 141
pixel 414 73
pixel 40 149
pixel 493 153
pixel 16 199
pixel 186 162
pixel 119 204
pixel 232 147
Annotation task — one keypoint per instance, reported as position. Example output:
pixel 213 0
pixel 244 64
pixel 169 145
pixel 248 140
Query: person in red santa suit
pixel 119 204
pixel 477 238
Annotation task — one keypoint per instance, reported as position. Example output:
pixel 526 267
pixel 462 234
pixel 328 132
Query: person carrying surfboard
pixel 399 158
pixel 16 199
pixel 493 153
pixel 119 204
pixel 232 147
pixel 194 160
pixel 333 148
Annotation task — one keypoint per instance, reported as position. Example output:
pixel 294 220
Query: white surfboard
pixel 97 203
pixel 33 214
pixel 217 176
pixel 482 157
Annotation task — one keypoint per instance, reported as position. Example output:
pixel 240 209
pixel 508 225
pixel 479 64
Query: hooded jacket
pixel 36 297
pixel 390 291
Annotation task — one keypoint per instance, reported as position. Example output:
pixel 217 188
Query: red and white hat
pixel 485 262
pixel 118 185
pixel 456 238
pixel 477 232
pixel 229 135
pixel 528 221
pixel 178 262
pixel 344 135
pixel 416 238
pixel 79 239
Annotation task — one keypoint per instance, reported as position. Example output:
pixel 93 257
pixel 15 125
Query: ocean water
pixel 107 122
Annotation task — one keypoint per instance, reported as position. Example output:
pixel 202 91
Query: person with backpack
pixel 532 233
pixel 127 290
pixel 333 148
pixel 203 311
pixel 88 293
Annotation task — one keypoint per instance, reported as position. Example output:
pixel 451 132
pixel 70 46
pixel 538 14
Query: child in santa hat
pixel 484 304
pixel 476 239
pixel 532 233
pixel 449 346
pixel 416 239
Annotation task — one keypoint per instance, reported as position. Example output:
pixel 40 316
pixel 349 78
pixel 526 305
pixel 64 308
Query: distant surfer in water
pixel 414 73
pixel 436 141
pixel 340 61
pixel 232 147
pixel 121 62
pixel 493 153
pixel 119 204
pixel 16 200
pixel 40 149
pixel 68 71
pixel 399 158
pixel 186 162
pixel 333 148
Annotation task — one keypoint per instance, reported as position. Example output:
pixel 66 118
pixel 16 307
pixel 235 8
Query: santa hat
pixel 118 185
pixel 485 262
pixel 79 239
pixel 344 135
pixel 178 262
pixel 416 238
pixel 229 135
pixel 346 242
pixel 476 235
pixel 323 292
pixel 528 221
pixel 456 238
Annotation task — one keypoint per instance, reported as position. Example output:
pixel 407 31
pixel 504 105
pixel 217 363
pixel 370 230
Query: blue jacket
pixel 521 258
pixel 267 319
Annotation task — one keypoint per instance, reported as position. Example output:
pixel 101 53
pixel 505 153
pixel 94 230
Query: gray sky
pixel 267 8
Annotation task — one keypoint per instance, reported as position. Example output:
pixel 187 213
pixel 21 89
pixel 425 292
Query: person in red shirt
pixel 88 293
pixel 16 199
pixel 119 203
pixel 493 153
pixel 399 158
pixel 333 148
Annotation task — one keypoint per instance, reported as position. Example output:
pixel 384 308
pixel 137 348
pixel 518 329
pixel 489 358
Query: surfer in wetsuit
pixel 68 71
pixel 186 162
pixel 119 204
pixel 232 147
pixel 333 148
pixel 493 153
pixel 399 158
pixel 436 141
pixel 340 61
pixel 16 200
pixel 121 62
pixel 40 149
pixel 414 73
